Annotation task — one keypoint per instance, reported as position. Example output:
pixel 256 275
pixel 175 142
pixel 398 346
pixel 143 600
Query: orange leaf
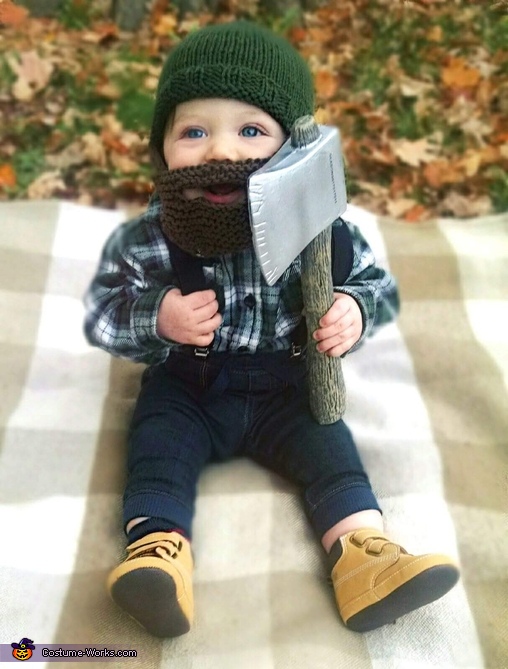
pixel 102 32
pixel 326 84
pixel 471 162
pixel 491 154
pixel 165 25
pixel 113 143
pixel 435 34
pixel 7 176
pixel 459 75
pixel 11 14
pixel 441 172
pixel 416 213
pixel 400 207
pixel 297 35
pixel 159 7
pixel 321 35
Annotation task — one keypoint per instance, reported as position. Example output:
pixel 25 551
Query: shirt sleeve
pixel 373 287
pixel 124 297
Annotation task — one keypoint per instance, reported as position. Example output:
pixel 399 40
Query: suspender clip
pixel 296 351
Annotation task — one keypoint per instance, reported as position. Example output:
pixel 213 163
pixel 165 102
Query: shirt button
pixel 250 301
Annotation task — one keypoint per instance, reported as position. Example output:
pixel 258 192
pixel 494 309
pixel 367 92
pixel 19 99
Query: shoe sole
pixel 149 596
pixel 419 591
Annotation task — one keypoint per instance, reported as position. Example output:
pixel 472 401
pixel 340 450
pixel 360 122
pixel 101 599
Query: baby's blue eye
pixel 194 133
pixel 250 131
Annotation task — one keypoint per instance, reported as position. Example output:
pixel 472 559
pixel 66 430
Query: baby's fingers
pixel 338 310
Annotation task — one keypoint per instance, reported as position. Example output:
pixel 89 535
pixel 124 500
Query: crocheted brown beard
pixel 198 226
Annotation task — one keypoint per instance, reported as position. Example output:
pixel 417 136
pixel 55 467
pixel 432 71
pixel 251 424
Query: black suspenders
pixel 191 278
pixel 342 253
pixel 188 269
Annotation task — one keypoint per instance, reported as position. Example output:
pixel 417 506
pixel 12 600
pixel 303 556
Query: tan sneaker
pixel 377 581
pixel 154 583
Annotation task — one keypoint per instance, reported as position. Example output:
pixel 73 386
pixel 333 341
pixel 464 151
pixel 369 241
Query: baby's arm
pixel 131 282
pixel 189 319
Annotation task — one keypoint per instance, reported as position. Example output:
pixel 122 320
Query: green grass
pixel 134 110
pixel 492 29
pixel 29 164
pixel 369 75
pixel 80 91
pixel 498 188
pixel 75 14
pixel 406 123
pixel 280 24
pixel 7 77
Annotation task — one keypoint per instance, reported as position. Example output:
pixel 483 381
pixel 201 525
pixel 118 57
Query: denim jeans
pixel 193 411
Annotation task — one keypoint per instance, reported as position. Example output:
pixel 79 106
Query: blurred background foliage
pixel 419 91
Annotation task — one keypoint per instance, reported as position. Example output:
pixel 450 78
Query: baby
pixel 180 289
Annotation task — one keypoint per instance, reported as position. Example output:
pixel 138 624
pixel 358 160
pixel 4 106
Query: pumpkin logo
pixel 23 650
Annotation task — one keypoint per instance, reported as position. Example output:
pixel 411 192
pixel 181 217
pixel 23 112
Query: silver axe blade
pixel 296 195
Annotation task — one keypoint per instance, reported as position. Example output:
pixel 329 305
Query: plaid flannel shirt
pixel 135 272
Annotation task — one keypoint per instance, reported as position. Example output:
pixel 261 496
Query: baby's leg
pixel 374 579
pixel 167 451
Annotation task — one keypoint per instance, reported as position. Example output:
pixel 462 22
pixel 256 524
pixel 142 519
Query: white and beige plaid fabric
pixel 428 404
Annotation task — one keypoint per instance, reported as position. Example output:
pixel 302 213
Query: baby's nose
pixel 221 149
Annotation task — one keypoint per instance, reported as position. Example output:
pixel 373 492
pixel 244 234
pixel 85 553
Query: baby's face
pixel 211 129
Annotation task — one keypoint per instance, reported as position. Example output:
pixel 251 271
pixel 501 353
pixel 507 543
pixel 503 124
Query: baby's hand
pixel 341 327
pixel 189 319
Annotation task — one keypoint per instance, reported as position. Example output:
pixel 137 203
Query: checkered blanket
pixel 427 403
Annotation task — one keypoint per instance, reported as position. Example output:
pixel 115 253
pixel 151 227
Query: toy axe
pixel 293 200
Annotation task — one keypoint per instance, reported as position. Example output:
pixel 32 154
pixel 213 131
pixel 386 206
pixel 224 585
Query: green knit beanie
pixel 241 61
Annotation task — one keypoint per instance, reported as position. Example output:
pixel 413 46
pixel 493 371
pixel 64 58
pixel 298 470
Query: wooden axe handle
pixel 326 382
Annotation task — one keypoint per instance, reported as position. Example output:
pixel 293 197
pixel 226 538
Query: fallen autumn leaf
pixel 415 153
pixel 7 176
pixel 33 74
pixel 458 74
pixel 11 14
